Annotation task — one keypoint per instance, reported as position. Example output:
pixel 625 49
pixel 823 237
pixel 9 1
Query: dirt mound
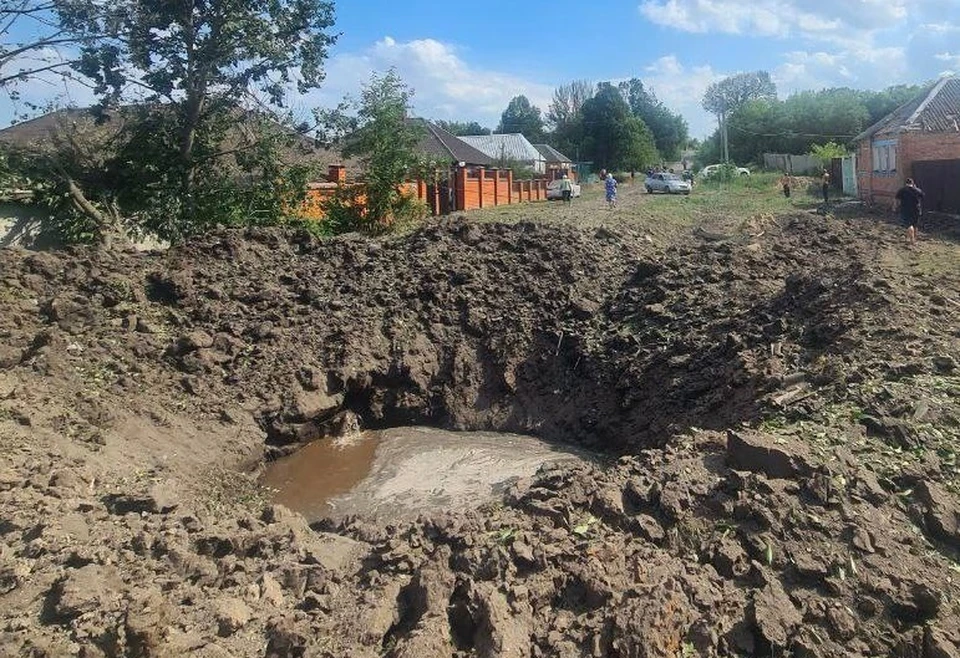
pixel 783 399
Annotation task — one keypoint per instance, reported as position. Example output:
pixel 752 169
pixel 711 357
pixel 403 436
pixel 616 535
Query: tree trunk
pixel 108 223
pixel 193 108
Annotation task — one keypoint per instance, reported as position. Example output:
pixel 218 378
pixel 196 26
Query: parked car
pixel 709 170
pixel 667 182
pixel 553 190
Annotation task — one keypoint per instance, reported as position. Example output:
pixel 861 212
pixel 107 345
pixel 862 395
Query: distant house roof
pixel 512 146
pixel 936 110
pixel 36 131
pixel 101 128
pixel 438 143
pixel 552 155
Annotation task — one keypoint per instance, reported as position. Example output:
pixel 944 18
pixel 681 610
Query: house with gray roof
pixel 919 140
pixel 557 164
pixel 508 148
pixel 438 143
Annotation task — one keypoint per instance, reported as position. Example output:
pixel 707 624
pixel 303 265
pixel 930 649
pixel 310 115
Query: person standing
pixel 910 198
pixel 785 184
pixel 566 189
pixel 610 185
pixel 825 185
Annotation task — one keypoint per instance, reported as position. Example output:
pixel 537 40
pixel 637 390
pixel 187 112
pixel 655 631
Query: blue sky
pixel 466 63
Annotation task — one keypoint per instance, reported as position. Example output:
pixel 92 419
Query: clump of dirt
pixel 783 399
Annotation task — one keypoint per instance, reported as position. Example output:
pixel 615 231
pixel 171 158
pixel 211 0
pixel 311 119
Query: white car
pixel 667 182
pixel 553 190
pixel 709 170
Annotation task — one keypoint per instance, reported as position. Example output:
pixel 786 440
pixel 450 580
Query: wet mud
pixel 399 474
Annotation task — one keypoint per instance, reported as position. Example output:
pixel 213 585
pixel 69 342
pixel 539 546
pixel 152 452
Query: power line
pixel 791 134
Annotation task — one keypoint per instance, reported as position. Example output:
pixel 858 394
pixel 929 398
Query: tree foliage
pixel 670 131
pixel 613 137
pixel 198 58
pixel 825 153
pixel 377 129
pixel 803 121
pixel 100 177
pixel 190 156
pixel 522 117
pixel 461 128
pixel 568 101
pixel 730 93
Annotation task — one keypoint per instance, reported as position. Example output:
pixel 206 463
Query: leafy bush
pixel 347 211
pixel 825 153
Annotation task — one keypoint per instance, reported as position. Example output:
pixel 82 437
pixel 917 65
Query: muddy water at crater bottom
pixel 399 473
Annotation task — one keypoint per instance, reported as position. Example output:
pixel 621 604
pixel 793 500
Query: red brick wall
pixel 911 147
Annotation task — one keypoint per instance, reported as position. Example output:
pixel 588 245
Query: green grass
pixel 744 200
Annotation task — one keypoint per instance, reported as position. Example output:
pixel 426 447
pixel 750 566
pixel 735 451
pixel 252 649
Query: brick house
pixel 919 140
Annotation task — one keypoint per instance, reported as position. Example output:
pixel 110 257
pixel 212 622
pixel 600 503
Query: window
pixel 885 156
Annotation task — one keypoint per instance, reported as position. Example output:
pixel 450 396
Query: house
pixel 509 149
pixel 448 194
pixel 557 164
pixel 919 140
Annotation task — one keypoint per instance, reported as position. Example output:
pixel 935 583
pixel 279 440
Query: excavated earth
pixel 778 396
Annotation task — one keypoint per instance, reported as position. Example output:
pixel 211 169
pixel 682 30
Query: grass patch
pixel 744 199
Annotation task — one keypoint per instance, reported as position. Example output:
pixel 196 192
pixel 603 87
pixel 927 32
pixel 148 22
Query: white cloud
pixel 939 28
pixel 446 86
pixel 681 88
pixel 836 21
pixel 952 59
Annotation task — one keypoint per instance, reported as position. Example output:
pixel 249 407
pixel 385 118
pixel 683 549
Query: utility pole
pixel 725 137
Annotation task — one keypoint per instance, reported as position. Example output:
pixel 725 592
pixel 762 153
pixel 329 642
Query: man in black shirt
pixel 910 198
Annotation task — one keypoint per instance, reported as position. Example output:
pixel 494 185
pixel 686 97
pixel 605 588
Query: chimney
pixel 337 173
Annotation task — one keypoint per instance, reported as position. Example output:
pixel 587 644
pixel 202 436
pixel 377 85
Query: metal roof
pixel 936 110
pixel 439 143
pixel 551 154
pixel 513 146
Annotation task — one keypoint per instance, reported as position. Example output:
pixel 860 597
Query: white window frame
pixel 884 157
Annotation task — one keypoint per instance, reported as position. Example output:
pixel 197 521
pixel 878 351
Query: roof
pixel 101 128
pixel 33 132
pixel 936 110
pixel 439 143
pixel 552 155
pixel 512 146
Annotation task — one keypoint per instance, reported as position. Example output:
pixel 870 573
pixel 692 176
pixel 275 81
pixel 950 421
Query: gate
pixel 940 182
pixel 850 175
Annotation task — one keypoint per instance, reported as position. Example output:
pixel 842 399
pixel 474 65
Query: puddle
pixel 399 473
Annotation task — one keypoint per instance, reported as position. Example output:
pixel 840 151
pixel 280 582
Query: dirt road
pixel 781 392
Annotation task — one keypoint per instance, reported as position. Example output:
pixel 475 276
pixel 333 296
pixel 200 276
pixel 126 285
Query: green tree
pixel 565 116
pixel 670 131
pixel 825 153
pixel 723 97
pixel 99 177
pixel 568 101
pixel 522 117
pixel 376 129
pixel 613 137
pixel 460 128
pixel 807 119
pixel 881 103
pixel 192 62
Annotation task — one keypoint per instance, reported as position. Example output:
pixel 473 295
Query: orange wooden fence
pixel 473 187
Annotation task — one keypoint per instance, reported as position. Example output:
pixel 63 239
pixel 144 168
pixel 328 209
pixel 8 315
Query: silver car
pixel 667 182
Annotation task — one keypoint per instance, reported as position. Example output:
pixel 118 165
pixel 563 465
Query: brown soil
pixel 782 394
